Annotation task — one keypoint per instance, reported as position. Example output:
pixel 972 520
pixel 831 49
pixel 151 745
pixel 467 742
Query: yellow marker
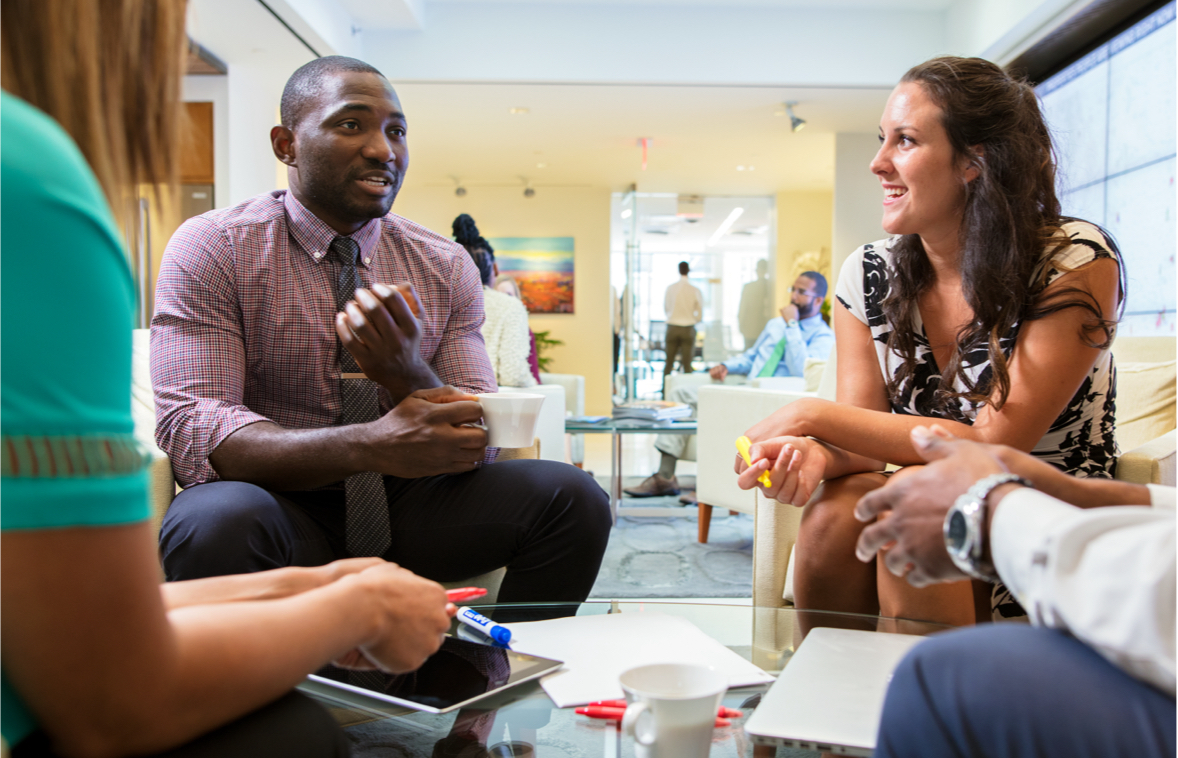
pixel 743 444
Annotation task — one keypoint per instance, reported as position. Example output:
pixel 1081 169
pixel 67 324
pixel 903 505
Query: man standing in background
pixel 685 308
pixel 756 305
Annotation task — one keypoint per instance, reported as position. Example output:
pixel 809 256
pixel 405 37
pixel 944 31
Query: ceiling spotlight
pixel 460 191
pixel 795 124
pixel 529 192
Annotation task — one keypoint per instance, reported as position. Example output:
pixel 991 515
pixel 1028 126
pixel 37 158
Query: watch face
pixel 957 530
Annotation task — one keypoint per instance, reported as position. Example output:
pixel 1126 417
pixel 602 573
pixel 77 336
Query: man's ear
pixel 282 142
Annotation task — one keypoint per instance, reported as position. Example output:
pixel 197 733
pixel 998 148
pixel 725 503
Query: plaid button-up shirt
pixel 244 322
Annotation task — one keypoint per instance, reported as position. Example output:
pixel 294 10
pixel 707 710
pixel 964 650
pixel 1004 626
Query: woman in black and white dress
pixel 986 310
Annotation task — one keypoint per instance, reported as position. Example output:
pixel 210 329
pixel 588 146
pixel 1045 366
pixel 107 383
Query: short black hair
pixel 819 281
pixel 304 84
pixel 683 268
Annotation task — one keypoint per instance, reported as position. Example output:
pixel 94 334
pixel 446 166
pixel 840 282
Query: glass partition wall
pixel 722 239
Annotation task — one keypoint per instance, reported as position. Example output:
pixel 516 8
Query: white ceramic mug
pixel 671 709
pixel 510 417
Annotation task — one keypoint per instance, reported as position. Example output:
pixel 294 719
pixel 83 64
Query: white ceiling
pixel 898 5
pixel 588 136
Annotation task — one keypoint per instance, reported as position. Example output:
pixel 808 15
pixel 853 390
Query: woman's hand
pixel 796 466
pixel 412 614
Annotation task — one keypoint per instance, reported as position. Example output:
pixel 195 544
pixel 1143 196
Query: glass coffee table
pixel 523 721
pixel 616 428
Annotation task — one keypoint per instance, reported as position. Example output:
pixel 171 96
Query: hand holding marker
pixel 742 445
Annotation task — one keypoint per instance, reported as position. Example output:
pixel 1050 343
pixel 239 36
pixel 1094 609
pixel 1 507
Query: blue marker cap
pixel 497 632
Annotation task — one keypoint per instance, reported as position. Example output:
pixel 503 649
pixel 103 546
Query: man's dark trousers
pixel 547 522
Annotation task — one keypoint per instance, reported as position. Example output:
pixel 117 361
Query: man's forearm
pixel 421 378
pixel 270 456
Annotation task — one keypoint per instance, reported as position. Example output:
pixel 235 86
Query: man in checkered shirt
pixel 245 361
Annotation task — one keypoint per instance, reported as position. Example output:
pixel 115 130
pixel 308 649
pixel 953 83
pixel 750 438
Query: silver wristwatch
pixel 964 526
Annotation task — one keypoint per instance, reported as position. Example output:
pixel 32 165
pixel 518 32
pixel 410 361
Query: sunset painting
pixel 542 268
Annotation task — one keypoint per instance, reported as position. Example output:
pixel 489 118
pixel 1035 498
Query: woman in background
pixel 505 330
pixel 99 658
pixel 987 310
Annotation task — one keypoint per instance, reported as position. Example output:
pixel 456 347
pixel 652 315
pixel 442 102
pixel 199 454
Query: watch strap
pixel 972 506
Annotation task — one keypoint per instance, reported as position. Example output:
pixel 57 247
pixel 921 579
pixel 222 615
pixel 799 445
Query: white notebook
pixel 597 649
pixel 831 693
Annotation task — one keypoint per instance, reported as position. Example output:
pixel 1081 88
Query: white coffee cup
pixel 671 709
pixel 510 417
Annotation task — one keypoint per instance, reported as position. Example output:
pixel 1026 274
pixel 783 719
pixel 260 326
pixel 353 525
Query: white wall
pixel 858 199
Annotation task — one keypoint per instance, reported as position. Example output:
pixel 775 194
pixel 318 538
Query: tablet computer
pixel 460 673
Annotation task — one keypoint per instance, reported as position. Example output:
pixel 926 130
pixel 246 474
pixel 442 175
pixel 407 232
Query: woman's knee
pixel 829 518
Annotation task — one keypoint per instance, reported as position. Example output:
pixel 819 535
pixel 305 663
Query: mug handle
pixel 635 711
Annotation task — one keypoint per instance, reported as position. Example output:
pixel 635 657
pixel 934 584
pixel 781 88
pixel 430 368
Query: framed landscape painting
pixel 542 268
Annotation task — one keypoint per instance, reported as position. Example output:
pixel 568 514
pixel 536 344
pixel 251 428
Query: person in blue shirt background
pixel 781 350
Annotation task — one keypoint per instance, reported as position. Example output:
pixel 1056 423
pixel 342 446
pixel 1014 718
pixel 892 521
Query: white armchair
pixel 574 405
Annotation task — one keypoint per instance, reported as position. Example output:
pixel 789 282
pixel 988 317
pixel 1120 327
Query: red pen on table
pixel 615 714
pixel 724 713
pixel 464 593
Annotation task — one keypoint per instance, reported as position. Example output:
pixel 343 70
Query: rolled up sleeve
pixel 197 352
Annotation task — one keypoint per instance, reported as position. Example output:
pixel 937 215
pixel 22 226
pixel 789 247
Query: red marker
pixel 615 714
pixel 464 593
pixel 724 713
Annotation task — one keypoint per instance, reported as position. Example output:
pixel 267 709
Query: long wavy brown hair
pixel 1010 228
pixel 109 72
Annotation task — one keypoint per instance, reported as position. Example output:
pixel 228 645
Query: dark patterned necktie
pixel 367 525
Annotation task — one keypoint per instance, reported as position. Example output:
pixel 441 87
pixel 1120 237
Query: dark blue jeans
pixel 547 522
pixel 1018 691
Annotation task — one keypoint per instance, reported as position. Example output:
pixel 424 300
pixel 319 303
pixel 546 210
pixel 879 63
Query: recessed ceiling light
pixel 541 165
pixel 740 168
pixel 520 111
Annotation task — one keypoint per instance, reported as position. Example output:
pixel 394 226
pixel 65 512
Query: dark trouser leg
pixel 1020 692
pixel 687 350
pixel 294 726
pixel 548 522
pixel 237 528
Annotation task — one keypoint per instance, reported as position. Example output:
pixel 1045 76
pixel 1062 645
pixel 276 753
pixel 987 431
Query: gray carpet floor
pixel 661 557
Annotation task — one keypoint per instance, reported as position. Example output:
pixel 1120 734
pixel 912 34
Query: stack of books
pixel 656 411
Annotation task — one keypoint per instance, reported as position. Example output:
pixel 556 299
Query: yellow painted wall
pixel 804 228
pixel 581 213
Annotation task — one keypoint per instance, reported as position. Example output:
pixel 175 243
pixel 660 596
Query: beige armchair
pixel 1145 432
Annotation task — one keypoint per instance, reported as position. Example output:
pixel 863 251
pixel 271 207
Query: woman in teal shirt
pixel 98 657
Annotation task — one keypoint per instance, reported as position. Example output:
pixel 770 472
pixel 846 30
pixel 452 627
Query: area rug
pixel 660 557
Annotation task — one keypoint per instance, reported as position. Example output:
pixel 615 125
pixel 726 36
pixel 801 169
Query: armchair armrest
pixel 774 536
pixel 1151 463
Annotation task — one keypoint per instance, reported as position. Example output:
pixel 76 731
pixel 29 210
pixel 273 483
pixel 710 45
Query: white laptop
pixel 831 693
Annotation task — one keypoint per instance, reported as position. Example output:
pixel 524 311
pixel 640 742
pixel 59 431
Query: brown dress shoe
pixel 654 486
pixel 688 498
